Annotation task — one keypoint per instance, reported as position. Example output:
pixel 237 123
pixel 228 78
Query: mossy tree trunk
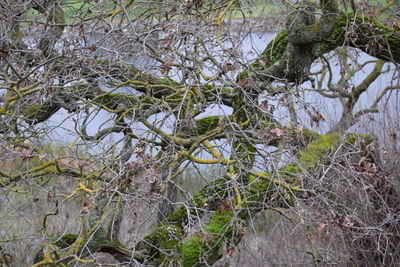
pixel 227 204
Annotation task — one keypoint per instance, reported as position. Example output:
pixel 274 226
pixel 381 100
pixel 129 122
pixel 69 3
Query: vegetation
pixel 161 133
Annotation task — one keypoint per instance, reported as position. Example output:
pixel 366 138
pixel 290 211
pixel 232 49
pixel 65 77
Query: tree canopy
pixel 106 105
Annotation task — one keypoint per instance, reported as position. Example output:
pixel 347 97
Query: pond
pixel 61 125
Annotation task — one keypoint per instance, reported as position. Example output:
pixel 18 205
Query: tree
pixel 149 72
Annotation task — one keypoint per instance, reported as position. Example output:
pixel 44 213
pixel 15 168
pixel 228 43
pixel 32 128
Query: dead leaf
pixel 278 132
pixel 84 211
pixel 88 202
pixel 225 205
pixel 299 132
pixel 370 147
pixel 246 82
pixel 26 154
pixel 169 41
pixel 49 197
pixel 206 238
pixel 316 119
pixel 241 231
pixel 264 105
pixel 166 67
pixel 228 66
pixel 347 222
pixel 282 102
pixel 93 48
pixel 321 228
pixel 393 137
pixel 371 168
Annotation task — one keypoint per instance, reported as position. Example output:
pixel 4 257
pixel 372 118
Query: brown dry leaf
pixel 241 231
pixel 227 66
pixel 225 205
pixel 84 211
pixel 371 168
pixel 93 48
pixel 347 222
pixel 26 153
pixel 49 197
pixel 371 46
pixel 282 102
pixel 185 232
pixel 169 41
pixel 299 132
pixel 396 26
pixel 278 132
pixel 371 27
pixel 134 218
pixel 370 147
pixel 88 202
pixel 264 105
pixel 337 221
pixel 321 228
pixel 166 67
pixel 168 27
pixel 307 194
pixel 316 119
pixel 352 35
pixel 393 137
pixel 206 238
pixel 247 82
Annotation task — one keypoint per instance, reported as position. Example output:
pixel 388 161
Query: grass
pixel 254 8
pixel 74 7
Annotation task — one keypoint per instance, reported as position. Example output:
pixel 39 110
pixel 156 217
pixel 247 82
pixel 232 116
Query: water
pixel 61 126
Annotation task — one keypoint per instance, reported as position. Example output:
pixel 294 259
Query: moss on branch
pixel 204 246
pixel 167 243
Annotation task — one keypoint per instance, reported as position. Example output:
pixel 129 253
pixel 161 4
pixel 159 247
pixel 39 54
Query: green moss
pixel 259 188
pixel 33 108
pixel 316 27
pixel 290 170
pixel 192 251
pixel 110 96
pixel 202 197
pixel 242 74
pixel 361 32
pixel 163 233
pixel 271 54
pixel 65 240
pixel 275 49
pixel 114 98
pixel 205 246
pixel 206 124
pixel 16 36
pixel 165 244
pixel 165 241
pixel 352 139
pixel 178 217
pixel 319 149
pixel 162 243
pixel 219 223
